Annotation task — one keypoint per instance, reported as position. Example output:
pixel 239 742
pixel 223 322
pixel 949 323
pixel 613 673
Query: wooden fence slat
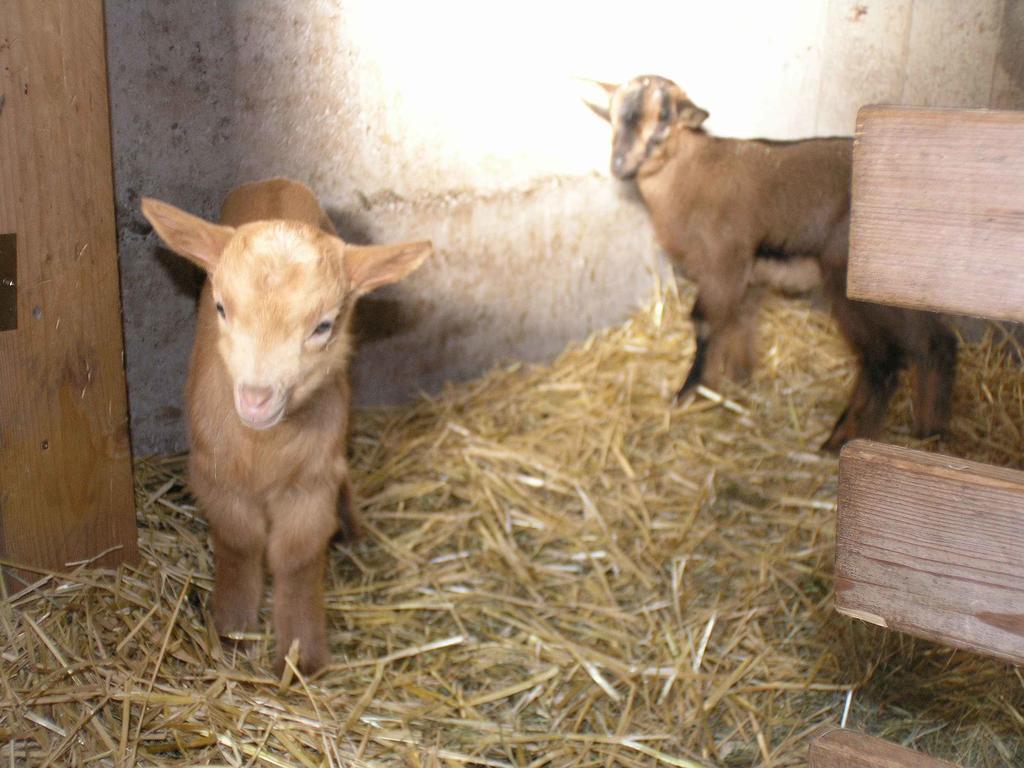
pixel 848 749
pixel 933 546
pixel 938 210
pixel 65 464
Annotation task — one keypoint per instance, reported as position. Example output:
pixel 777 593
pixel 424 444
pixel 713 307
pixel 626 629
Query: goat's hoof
pixel 929 431
pixel 349 529
pixel 234 620
pixel 307 664
pixel 348 533
pixel 832 446
pixel 683 394
pixel 836 440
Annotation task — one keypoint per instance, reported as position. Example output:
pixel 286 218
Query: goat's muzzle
pixel 259 407
pixel 620 171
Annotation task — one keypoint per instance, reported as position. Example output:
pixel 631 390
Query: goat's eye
pixel 665 113
pixel 322 328
pixel 220 310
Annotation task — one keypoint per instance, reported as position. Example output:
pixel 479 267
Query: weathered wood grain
pixel 938 210
pixel 933 546
pixel 848 749
pixel 65 466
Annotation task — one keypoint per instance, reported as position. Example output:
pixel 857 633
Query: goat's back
pixel 783 179
pixel 805 204
pixel 274 199
pixel 803 170
pixel 788 196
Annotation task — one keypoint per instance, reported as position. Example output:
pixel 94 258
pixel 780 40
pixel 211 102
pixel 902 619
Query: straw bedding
pixel 559 570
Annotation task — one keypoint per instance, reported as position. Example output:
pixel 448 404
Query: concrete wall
pixel 460 121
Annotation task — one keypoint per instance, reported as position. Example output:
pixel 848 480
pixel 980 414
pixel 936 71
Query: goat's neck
pixel 666 164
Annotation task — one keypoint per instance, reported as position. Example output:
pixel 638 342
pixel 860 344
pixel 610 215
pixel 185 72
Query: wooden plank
pixel 938 210
pixel 932 546
pixel 65 464
pixel 847 749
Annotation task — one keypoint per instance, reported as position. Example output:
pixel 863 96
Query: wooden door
pixel 65 463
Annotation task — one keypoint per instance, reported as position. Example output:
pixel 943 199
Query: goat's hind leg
pixel 350 530
pixel 877 378
pixel 934 374
pixel 878 337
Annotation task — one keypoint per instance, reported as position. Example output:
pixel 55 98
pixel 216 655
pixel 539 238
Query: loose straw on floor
pixel 560 570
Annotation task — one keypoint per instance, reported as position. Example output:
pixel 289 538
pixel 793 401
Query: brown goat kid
pixel 736 214
pixel 268 397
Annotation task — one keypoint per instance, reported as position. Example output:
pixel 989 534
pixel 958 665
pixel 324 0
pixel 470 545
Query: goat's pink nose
pixel 254 399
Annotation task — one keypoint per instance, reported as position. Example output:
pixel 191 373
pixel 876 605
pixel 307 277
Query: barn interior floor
pixel 558 570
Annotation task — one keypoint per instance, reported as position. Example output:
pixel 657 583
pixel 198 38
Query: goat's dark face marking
pixel 642 112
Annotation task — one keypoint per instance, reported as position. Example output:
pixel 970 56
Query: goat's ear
pixel 371 266
pixel 196 239
pixel 690 114
pixel 601 110
pixel 600 106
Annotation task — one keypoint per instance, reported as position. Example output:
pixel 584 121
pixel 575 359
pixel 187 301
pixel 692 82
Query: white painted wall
pixel 469 94
pixel 461 121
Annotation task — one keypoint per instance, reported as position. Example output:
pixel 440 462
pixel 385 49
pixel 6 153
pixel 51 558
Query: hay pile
pixel 560 570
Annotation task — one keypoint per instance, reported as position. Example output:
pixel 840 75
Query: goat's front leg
pixel 238 531
pixel 725 326
pixel 301 526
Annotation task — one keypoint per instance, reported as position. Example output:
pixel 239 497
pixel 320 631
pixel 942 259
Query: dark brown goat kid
pixel 734 215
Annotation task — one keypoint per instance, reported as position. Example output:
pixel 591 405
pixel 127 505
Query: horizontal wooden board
pixel 938 210
pixel 933 546
pixel 848 749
